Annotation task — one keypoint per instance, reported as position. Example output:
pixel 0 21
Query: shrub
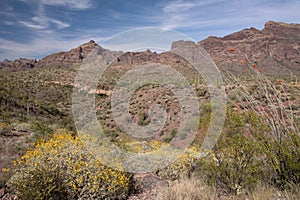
pixel 61 168
pixel 4 128
pixel 284 159
pixel 180 168
pixel 233 164
pixel 236 162
pixel 24 127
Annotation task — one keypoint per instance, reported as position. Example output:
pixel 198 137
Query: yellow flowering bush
pixel 61 168
pixel 4 128
pixel 182 167
pixel 143 146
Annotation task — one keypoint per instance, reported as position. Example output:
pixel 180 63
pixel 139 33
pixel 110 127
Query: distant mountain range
pixel 275 49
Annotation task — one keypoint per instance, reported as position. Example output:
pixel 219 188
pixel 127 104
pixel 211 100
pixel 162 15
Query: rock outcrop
pixel 62 59
pixel 72 57
pixel 16 65
pixel 276 48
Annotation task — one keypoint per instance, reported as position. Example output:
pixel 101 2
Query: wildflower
pixel 5 169
pixel 231 49
pixel 244 61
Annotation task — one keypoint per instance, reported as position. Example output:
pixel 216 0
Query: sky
pixel 36 28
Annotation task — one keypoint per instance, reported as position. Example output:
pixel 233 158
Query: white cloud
pixel 180 5
pixel 60 24
pixel 42 44
pixel 32 25
pixel 73 4
pixel 42 21
pixel 217 17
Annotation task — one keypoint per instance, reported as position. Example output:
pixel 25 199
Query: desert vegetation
pixel 257 155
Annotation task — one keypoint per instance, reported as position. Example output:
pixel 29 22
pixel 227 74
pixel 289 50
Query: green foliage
pixel 42 131
pixel 284 159
pixel 4 128
pixel 61 168
pixel 246 153
pixel 236 161
pixel 40 94
pixel 181 168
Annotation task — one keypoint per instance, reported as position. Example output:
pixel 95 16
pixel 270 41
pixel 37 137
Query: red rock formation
pixel 74 56
pixel 275 49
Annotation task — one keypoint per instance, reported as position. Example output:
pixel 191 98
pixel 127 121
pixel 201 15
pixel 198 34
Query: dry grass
pixel 268 192
pixel 188 189
pixel 195 189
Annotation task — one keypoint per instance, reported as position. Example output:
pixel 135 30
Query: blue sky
pixel 35 28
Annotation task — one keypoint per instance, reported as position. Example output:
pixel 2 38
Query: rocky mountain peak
pixel 181 43
pixel 242 35
pixel 74 56
pixel 276 48
pixel 271 25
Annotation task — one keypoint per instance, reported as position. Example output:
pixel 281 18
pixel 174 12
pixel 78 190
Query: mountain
pixel 275 49
pixel 72 57
pixel 18 64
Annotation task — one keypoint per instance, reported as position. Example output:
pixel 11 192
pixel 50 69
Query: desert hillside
pixel 255 155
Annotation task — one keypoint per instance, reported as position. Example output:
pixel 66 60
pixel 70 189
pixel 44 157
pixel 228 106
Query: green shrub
pixel 284 159
pixel 237 160
pixel 180 168
pixel 234 163
pixel 4 128
pixel 61 168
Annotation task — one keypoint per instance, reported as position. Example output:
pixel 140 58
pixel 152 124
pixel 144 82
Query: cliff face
pixel 74 56
pixel 275 49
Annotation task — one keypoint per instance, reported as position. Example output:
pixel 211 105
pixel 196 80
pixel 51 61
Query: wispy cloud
pixel 45 30
pixel 219 17
pixel 73 4
pixel 180 5
pixel 59 24
pixel 42 21
pixel 32 25
pixel 42 44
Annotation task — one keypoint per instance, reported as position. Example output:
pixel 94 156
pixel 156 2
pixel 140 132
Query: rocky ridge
pixel 275 48
pixel 62 59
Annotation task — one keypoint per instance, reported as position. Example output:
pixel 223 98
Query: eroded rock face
pixel 70 58
pixel 275 49
pixel 19 64
pixel 74 56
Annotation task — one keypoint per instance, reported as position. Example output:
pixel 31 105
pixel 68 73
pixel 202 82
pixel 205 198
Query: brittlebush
pixel 61 168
